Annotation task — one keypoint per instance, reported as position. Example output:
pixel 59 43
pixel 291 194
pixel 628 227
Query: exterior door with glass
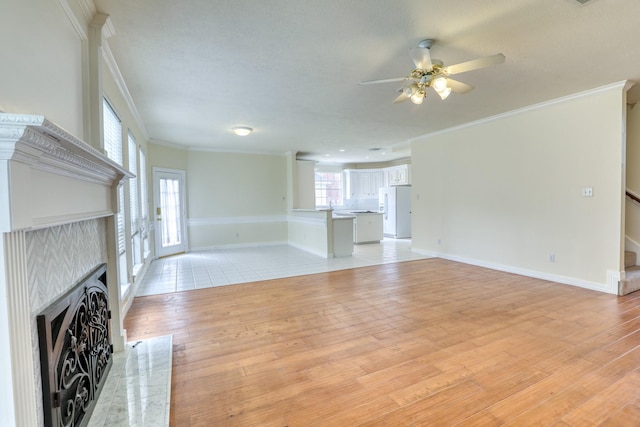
pixel 169 202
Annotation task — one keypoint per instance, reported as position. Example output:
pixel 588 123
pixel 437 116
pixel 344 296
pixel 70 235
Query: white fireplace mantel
pixel 48 178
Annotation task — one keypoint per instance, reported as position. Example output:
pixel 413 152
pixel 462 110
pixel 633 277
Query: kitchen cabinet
pixel 342 241
pixel 363 184
pixel 398 175
pixel 367 227
pixel 351 185
pixel 370 183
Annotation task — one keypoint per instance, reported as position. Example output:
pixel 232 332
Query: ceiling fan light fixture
pixel 445 93
pixel 418 97
pixel 410 90
pixel 242 130
pixel 432 73
pixel 439 84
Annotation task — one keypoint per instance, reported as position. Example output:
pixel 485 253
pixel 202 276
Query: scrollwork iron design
pixel 76 338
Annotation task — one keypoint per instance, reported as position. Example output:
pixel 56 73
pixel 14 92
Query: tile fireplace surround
pixel 57 206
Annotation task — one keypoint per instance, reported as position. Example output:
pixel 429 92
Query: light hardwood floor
pixel 418 343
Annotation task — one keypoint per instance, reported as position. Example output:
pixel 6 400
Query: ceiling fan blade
pixel 401 98
pixel 459 87
pixel 395 79
pixel 421 58
pixel 475 64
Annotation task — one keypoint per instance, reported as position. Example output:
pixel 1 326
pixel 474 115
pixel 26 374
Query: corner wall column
pixel 18 391
pixel 96 138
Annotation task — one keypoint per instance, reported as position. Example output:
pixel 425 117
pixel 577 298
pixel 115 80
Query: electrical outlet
pixel 552 257
pixel 587 192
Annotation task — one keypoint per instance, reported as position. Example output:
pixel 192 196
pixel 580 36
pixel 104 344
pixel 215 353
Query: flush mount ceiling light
pixel 432 73
pixel 242 130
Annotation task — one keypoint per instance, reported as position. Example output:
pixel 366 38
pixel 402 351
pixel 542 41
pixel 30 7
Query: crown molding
pixel 236 151
pixel 80 13
pixel 113 68
pixel 623 86
pixel 193 148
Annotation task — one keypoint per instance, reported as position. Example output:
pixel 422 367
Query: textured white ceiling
pixel 290 68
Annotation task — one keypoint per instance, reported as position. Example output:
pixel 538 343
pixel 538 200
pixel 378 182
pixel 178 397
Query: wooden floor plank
pixel 428 342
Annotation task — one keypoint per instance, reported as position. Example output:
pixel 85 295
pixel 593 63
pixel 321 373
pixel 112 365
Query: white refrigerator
pixel 395 205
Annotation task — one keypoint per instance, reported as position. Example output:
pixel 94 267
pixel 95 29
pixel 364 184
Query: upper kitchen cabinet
pixel 370 182
pixel 351 184
pixel 363 183
pixel 398 175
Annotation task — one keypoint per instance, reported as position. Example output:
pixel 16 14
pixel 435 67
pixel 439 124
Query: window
pixel 113 148
pixel 134 205
pixel 328 189
pixel 133 185
pixel 144 205
pixel 112 133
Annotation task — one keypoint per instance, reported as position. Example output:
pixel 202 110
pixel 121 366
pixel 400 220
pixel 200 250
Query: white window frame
pixel 113 145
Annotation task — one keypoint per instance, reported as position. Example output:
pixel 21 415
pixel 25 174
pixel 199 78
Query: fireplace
pixel 75 351
pixel 58 259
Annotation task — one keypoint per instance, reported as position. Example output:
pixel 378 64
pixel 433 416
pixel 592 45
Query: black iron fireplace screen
pixel 75 351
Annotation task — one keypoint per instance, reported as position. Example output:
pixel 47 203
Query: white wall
pixel 41 74
pixel 45 72
pixel 633 148
pixel 41 70
pixel 305 185
pixel 236 199
pixel 632 218
pixel 506 192
pixel 312 231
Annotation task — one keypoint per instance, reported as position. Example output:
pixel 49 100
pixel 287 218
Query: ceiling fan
pixel 431 73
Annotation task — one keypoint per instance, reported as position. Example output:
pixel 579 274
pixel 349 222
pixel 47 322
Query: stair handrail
pixel 633 196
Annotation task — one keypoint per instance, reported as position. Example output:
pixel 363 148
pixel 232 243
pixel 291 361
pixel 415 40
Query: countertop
pixel 355 213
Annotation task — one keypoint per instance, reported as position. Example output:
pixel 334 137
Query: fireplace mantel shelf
pixel 49 177
pixel 36 141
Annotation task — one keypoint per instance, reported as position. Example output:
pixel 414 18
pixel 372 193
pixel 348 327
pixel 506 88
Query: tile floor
pixel 138 388
pixel 205 269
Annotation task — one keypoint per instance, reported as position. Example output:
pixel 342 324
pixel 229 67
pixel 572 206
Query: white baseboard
pixel 310 250
pixel 611 287
pixel 426 253
pixel 238 246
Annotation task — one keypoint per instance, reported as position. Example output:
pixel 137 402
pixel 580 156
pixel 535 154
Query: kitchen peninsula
pixel 367 225
pixel 320 232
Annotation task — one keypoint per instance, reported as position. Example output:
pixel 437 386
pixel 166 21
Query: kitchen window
pixel 328 189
